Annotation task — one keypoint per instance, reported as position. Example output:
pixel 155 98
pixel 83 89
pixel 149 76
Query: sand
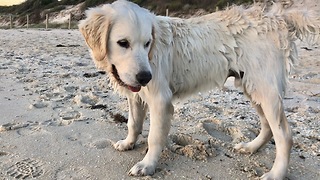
pixel 59 119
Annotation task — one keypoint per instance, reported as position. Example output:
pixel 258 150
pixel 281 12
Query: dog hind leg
pixel 274 112
pixel 273 122
pixel 263 137
pixel 137 113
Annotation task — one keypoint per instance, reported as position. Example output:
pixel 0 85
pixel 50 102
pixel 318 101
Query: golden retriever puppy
pixel 154 60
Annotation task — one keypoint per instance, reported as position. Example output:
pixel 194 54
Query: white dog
pixel 153 60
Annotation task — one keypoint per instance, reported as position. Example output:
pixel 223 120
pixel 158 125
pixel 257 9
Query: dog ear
pixel 95 29
pixel 150 54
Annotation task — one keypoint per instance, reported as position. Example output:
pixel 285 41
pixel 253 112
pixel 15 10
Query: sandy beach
pixel 59 118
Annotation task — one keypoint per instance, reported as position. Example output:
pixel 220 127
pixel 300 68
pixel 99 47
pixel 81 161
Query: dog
pixel 153 60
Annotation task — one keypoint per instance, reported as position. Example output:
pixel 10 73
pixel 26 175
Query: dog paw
pixel 123 145
pixel 244 148
pixel 142 169
pixel 276 173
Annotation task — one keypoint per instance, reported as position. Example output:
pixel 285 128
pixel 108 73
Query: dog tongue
pixel 134 89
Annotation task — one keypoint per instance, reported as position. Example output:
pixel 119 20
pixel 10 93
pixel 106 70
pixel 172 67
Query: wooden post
pixel 11 21
pixel 47 20
pixel 167 12
pixel 70 16
pixel 217 8
pixel 27 21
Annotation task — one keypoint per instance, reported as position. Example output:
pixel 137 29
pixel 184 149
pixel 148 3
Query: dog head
pixel 120 36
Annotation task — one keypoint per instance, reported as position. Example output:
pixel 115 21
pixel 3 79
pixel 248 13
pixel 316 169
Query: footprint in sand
pixel 100 144
pixel 216 131
pixel 69 117
pixel 27 168
pixel 31 130
pixel 78 137
pixel 73 173
pixel 86 140
pixel 39 105
pixel 185 145
pixel 228 134
pixel 12 126
pixel 26 128
pixel 86 100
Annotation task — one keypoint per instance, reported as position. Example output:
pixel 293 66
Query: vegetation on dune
pixel 36 8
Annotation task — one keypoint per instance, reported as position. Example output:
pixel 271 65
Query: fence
pixel 47 23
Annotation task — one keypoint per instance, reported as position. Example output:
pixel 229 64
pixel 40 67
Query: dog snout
pixel 143 77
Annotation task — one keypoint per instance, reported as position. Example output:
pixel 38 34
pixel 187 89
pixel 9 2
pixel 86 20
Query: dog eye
pixel 124 43
pixel 147 44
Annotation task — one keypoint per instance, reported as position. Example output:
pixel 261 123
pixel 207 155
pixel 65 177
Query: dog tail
pixel 303 24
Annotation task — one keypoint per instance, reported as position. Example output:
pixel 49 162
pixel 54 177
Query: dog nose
pixel 144 77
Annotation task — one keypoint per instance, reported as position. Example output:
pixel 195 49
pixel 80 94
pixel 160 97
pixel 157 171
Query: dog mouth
pixel 121 83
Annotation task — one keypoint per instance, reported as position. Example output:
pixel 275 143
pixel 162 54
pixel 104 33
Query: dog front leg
pixel 161 113
pixel 137 113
